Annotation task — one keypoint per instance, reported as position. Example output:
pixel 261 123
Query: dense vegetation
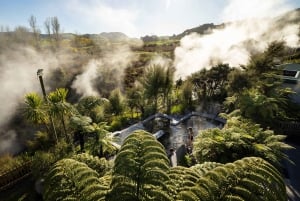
pixel 141 172
pixel 72 143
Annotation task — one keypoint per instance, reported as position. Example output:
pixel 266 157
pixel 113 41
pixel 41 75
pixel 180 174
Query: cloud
pixel 168 4
pixel 97 13
pixel 237 40
pixel 244 9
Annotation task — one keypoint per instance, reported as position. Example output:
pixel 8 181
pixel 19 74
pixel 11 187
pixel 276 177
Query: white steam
pixel 83 83
pixel 114 61
pixel 18 68
pixel 238 39
pixel 9 142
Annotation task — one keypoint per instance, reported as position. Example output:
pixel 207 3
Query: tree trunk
pixel 65 130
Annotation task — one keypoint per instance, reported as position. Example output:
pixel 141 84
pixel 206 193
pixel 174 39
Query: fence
pixel 11 177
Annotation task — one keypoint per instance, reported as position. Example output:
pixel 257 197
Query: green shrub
pixel 177 109
pixel 118 123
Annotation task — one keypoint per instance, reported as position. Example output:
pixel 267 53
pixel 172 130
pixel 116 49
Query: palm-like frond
pixel 100 165
pixel 239 138
pixel 35 110
pixel 72 180
pixel 141 168
pixel 250 178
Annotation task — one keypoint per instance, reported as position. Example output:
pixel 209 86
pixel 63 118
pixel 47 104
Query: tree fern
pixel 204 167
pixel 239 138
pixel 181 178
pixel 140 170
pixel 250 178
pixel 100 165
pixel 73 180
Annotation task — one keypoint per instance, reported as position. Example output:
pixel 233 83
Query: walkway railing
pixel 12 176
pixel 175 122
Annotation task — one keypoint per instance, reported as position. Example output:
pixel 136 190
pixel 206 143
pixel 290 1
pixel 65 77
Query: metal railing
pixel 14 175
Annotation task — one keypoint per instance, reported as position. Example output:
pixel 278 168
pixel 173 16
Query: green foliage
pixel 103 142
pixel 246 179
pixel 93 107
pixel 177 109
pixel 69 179
pixel 239 138
pixel 43 160
pixel 265 62
pixel 41 141
pixel 60 108
pixel 118 123
pixel 100 165
pixel 140 170
pixel 238 80
pixel 186 95
pixel 116 102
pixel 157 81
pixel 210 84
pixel 35 110
pixel 181 179
pixel 263 104
pixel 203 168
pixel 8 162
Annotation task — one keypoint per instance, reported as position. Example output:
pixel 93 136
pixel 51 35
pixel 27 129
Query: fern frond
pixel 70 179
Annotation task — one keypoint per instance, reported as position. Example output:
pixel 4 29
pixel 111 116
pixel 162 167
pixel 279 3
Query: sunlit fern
pixel 140 170
pixel 250 178
pixel 73 180
pixel 100 165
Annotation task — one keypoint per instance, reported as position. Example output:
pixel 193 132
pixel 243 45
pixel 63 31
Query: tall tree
pixel 35 110
pixel 48 27
pixel 116 102
pixel 55 26
pixel 157 82
pixel 60 108
pixel 92 106
pixel 35 30
pixel 210 84
pixel 38 112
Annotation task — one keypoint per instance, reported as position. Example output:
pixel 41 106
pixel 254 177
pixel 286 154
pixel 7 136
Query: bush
pixel 177 109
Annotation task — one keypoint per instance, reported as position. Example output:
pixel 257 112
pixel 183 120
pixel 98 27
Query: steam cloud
pixel 249 30
pixel 18 67
pixel 114 61
pixel 9 142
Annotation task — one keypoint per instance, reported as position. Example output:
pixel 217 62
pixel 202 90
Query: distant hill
pixel 290 17
pixel 114 36
pixel 110 36
pixel 202 29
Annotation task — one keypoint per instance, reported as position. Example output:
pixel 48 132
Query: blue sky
pixel 133 17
